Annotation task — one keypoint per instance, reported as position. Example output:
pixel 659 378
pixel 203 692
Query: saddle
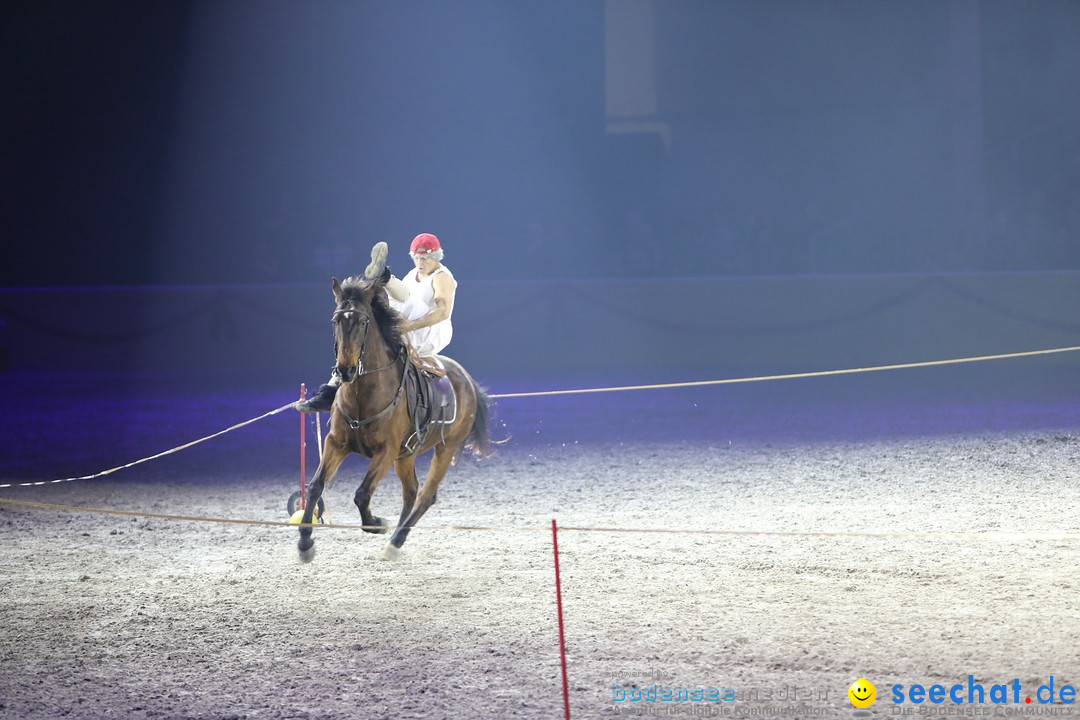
pixel 430 399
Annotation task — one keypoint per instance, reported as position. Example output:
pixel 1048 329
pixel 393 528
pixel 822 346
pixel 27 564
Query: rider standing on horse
pixel 425 299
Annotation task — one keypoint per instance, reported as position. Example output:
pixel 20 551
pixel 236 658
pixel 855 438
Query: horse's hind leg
pixel 406 472
pixel 328 467
pixel 424 499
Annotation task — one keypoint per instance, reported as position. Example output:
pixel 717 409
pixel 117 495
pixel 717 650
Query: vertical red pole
pixel 303 451
pixel 558 607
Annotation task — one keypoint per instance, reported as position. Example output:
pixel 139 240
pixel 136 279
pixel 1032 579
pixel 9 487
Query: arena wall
pixel 722 326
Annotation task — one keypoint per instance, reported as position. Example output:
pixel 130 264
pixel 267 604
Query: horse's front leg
pixel 380 465
pixel 332 458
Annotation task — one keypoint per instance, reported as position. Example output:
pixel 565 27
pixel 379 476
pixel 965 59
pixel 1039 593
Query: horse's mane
pixel 360 291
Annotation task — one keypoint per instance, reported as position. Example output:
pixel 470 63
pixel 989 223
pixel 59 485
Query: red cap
pixel 424 243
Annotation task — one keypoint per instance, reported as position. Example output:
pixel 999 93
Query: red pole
pixel 303 452
pixel 558 606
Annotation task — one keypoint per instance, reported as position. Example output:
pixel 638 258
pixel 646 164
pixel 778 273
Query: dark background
pixel 251 141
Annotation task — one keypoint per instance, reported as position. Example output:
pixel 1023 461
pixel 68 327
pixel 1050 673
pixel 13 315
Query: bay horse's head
pixel 365 327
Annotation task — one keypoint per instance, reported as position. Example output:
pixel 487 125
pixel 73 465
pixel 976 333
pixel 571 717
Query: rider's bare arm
pixel 444 305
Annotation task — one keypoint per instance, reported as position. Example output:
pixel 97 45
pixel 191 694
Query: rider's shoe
pixel 377 269
pixel 321 401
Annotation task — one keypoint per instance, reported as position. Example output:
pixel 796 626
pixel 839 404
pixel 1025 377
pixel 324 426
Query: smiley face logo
pixel 862 693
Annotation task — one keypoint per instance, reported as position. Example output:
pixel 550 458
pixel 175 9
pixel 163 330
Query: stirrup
pixel 322 401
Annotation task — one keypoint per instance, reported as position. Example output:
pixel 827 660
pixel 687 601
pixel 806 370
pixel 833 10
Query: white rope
pixel 152 457
pixel 819 373
pixel 698 383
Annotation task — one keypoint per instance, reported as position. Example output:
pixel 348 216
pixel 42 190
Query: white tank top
pixel 421 301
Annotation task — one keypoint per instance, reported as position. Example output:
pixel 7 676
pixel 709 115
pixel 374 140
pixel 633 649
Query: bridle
pixel 360 371
pixel 366 322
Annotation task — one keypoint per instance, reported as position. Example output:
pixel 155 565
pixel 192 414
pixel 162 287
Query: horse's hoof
pixel 307 551
pixel 389 552
pixel 378 526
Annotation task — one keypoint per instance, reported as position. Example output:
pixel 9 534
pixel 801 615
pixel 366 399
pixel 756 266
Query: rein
pixel 357 424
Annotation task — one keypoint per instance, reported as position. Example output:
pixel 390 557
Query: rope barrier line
pixel 622 388
pixel 562 528
pixel 818 373
pixel 152 457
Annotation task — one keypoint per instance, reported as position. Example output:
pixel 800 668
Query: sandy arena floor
pixel 915 529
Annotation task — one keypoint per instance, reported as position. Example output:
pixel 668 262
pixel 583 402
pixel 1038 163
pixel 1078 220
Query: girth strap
pixel 431 401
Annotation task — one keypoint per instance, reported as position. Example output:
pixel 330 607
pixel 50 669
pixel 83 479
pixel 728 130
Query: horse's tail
pixel 479 441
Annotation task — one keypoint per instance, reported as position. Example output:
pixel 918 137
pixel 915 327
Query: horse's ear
pixel 337 289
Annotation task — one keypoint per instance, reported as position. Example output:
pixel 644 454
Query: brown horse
pixel 371 415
